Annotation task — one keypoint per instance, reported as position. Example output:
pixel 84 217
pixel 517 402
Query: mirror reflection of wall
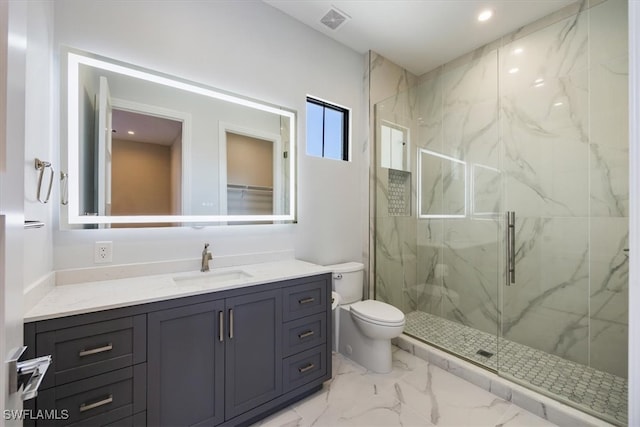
pixel 249 175
pixel 146 163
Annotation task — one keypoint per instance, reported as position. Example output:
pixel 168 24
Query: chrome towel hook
pixel 41 166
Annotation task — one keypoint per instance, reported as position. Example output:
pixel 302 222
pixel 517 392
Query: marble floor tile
pixel 415 393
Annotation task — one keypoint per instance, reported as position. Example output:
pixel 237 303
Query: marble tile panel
pixel 609 168
pixel 559 49
pixel 485 188
pixel 475 82
pixel 608 31
pixel 429 240
pixel 472 134
pixel 609 346
pixel 554 332
pixel 396 261
pixel 429 115
pixel 431 176
pixel 609 269
pixel 552 268
pixel 471 260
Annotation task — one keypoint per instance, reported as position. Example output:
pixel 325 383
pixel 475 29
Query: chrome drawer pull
pixel 102 402
pixel 97 350
pixel 306 300
pixel 309 367
pixel 305 334
pixel 221 326
pixel 231 323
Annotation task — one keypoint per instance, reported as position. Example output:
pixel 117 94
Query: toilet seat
pixel 378 312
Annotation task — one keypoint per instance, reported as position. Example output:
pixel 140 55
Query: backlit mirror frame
pixel 75 59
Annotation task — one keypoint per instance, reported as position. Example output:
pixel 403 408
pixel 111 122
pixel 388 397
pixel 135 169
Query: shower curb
pixel 542 406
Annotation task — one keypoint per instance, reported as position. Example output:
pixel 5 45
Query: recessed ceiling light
pixel 485 15
pixel 518 50
pixel 131 132
pixel 514 70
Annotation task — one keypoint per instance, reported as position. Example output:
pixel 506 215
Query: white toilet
pixel 365 328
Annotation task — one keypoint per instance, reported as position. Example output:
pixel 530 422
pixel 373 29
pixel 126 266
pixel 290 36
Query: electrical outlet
pixel 103 252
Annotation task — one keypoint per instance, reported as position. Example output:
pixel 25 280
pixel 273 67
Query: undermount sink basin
pixel 214 277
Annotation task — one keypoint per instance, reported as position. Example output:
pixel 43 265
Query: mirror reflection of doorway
pixel 249 175
pixel 146 165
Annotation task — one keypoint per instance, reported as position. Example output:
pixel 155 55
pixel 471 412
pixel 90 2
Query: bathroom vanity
pixel 222 348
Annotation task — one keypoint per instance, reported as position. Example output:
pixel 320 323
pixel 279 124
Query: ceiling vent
pixel 334 18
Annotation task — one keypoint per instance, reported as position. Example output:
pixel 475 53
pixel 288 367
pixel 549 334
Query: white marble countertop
pixel 87 297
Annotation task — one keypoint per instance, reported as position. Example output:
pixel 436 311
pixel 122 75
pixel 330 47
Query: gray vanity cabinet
pixel 253 351
pixel 213 361
pixel 186 366
pixel 225 358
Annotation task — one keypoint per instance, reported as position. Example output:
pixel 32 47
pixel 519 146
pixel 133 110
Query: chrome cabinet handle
pixel 231 323
pixel 97 404
pixel 221 326
pixel 97 350
pixel 305 334
pixel 511 248
pixel 306 300
pixel 309 367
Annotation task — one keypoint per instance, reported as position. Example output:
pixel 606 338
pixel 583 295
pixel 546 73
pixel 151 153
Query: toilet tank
pixel 348 281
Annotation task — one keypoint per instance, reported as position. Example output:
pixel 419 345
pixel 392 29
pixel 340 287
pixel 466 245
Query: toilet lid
pixel 378 312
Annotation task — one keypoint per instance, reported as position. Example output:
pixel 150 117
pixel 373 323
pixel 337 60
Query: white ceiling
pixel 419 35
pixel 146 128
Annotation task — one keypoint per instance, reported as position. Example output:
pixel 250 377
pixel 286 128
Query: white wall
pixel 254 50
pixel 39 137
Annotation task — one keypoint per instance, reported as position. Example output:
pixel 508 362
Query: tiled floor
pixel 598 392
pixel 415 393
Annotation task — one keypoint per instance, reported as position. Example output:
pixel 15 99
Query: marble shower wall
pixel 392 236
pixel 540 120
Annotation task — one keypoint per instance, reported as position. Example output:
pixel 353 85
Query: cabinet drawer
pixel 100 400
pixel 137 420
pixel 84 351
pixel 303 334
pixel 305 367
pixel 305 300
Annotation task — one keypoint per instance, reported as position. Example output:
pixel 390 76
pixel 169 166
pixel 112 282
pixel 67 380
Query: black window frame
pixel 345 124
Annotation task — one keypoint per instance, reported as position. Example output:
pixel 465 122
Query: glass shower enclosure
pixel 501 210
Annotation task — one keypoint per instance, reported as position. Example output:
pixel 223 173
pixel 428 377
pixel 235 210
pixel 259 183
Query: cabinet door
pixel 186 366
pixel 253 351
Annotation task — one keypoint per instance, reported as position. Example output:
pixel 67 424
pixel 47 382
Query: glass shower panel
pixel 563 117
pixel 449 245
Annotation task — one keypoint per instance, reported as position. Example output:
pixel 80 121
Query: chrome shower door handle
pixel 511 248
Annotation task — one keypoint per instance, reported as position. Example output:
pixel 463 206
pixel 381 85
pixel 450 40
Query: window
pixel 327 130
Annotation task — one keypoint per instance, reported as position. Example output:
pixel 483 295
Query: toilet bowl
pixel 364 328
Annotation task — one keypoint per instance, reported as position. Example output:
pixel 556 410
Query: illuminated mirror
pixel 147 148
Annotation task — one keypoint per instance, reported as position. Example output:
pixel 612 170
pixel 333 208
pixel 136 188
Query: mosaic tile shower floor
pixel 600 393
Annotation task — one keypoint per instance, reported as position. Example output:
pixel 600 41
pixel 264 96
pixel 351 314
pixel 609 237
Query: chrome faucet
pixel 206 257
